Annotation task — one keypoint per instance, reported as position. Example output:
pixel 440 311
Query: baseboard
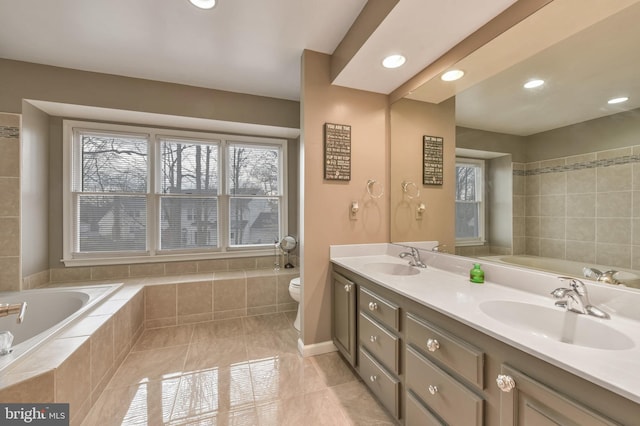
pixel 316 348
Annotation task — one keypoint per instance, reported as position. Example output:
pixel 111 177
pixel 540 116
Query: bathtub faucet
pixel 604 277
pixel 415 257
pixel 13 309
pixel 576 299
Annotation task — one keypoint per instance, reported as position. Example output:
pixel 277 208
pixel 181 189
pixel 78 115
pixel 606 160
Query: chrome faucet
pixel 604 277
pixel 440 248
pixel 415 257
pixel 576 299
pixel 16 308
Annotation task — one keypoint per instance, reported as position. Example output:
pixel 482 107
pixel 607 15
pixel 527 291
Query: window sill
pixel 160 258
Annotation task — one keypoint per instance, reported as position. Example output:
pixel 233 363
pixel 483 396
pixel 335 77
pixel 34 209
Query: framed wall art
pixel 337 151
pixel 432 163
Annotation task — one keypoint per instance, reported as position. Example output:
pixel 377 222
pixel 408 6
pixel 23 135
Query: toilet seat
pixel 295 282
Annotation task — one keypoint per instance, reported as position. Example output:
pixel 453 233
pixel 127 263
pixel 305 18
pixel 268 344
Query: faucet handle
pixel 23 309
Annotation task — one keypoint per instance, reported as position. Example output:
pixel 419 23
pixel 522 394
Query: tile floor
pixel 244 371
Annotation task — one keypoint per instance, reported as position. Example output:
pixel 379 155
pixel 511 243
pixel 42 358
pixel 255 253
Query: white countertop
pixel 449 292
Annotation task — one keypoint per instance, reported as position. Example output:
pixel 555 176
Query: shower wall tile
pixel 552 227
pixel 552 248
pixel 581 205
pixel 553 183
pixel 581 229
pixel 553 205
pixel 614 255
pixel 10 278
pixel 615 178
pixel 613 230
pixel 596 196
pixel 614 204
pixel 581 251
pixel 160 301
pixel 10 191
pixel 581 181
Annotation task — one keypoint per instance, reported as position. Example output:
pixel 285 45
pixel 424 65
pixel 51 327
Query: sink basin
pixel 391 268
pixel 556 324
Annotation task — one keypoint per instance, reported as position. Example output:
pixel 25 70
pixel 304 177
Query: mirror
pixel 287 245
pixel 563 166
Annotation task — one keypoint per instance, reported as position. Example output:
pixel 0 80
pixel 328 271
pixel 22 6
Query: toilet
pixel 294 291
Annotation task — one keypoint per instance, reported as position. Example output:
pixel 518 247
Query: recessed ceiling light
pixel 533 83
pixel 618 100
pixel 203 4
pixel 452 75
pixel 393 61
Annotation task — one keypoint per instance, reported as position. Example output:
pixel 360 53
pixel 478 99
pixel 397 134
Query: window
pixel 139 192
pixel 469 201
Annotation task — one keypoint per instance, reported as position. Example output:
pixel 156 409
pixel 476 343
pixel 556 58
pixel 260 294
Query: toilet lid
pixel 295 282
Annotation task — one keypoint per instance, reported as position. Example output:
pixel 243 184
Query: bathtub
pixel 570 268
pixel 48 312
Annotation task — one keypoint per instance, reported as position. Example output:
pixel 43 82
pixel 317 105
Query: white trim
pixel 153 196
pixel 316 348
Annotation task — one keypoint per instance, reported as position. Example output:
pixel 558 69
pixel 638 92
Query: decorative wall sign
pixel 432 167
pixel 337 151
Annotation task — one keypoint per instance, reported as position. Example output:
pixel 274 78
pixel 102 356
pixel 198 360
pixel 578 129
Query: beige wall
pixel 23 80
pixel 410 121
pixel 325 204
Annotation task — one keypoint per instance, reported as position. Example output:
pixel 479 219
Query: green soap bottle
pixel 476 275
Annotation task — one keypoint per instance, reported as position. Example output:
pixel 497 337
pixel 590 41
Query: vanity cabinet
pixel 445 373
pixel 427 368
pixel 379 347
pixel 344 294
pixel 527 402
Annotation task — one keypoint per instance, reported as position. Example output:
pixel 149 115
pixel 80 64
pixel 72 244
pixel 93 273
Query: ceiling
pixel 245 46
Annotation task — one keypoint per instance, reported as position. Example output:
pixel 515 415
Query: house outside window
pixel 134 192
pixel 470 226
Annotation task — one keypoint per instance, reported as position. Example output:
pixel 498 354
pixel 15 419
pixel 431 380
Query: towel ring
pixel 406 188
pixel 370 184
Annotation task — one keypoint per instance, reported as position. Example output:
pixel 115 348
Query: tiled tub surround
pixel 10 206
pixel 76 366
pixel 585 207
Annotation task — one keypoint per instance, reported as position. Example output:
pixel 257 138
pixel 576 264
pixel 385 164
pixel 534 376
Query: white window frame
pixel 480 191
pixel 154 253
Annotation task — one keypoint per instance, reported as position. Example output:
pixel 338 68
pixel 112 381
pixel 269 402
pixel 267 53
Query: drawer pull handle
pixel 373 306
pixel 433 345
pixel 347 288
pixel 373 378
pixel 433 389
pixel 373 339
pixel 505 383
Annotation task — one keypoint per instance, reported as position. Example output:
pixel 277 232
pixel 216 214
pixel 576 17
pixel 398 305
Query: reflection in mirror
pixel 562 166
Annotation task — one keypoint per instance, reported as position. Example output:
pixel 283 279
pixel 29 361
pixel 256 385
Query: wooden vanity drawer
pixel 443 394
pixel 464 359
pixel 417 415
pixel 383 345
pixel 383 311
pixel 382 384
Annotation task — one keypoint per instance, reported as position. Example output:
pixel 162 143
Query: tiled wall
pixel 220 296
pixel 10 205
pixel 584 207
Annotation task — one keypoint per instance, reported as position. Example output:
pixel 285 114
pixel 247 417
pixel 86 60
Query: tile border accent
pixel 607 162
pixel 9 132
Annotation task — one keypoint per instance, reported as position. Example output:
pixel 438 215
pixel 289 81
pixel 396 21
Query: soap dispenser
pixel 476 275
